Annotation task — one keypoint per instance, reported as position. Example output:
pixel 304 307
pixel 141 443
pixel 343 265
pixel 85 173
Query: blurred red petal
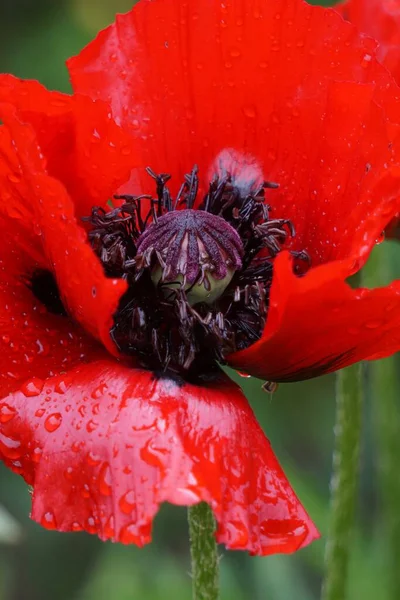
pixel 318 324
pixel 104 445
pixel 380 19
pixel 90 297
pixel 84 148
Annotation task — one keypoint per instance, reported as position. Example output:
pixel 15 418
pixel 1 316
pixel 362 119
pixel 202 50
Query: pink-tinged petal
pixel 104 445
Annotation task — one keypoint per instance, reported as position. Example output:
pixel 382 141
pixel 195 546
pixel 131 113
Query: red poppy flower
pixel 113 318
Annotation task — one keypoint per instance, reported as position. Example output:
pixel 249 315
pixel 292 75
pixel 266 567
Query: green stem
pixel 344 482
pixel 387 427
pixel 205 568
pixel 386 421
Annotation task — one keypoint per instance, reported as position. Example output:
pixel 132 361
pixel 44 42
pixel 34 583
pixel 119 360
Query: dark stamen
pixel 167 250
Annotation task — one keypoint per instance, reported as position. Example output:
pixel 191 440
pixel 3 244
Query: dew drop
pixel 91 426
pixel 99 391
pixel 14 178
pixel 91 525
pixel 238 533
pixel 48 520
pixel 33 387
pixel 105 480
pixel 10 448
pixel 235 52
pixel 40 412
pixel 93 459
pixel 36 454
pixel 53 422
pixel 373 324
pixel 7 413
pixel 153 456
pixel 249 110
pixel 109 528
pixel 85 491
pixel 127 502
pixel 68 473
pixel 76 526
pixel 365 61
pixel 128 535
pixel 60 387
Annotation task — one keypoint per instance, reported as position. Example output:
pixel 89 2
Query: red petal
pixel 34 344
pixel 83 146
pixel 379 19
pixel 191 81
pixel 104 445
pixel 90 297
pixel 318 324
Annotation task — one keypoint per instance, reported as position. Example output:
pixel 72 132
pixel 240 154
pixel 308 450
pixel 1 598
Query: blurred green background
pixel 35 39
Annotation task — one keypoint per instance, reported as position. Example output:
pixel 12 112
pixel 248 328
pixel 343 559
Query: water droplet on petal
pixel 60 387
pixel 99 391
pixel 36 454
pixel 40 412
pixel 365 61
pixel 7 413
pixel 109 528
pixel 235 52
pixel 14 178
pixel 48 520
pixel 68 473
pixel 10 448
pixel 129 535
pixel 373 324
pixel 91 426
pixel 250 111
pixel 93 459
pixel 53 422
pixel 105 480
pixel 32 387
pixel 238 533
pixel 127 502
pixel 153 456
pixel 91 525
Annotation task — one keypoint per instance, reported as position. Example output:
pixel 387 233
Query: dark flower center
pixel 199 278
pixel 45 289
